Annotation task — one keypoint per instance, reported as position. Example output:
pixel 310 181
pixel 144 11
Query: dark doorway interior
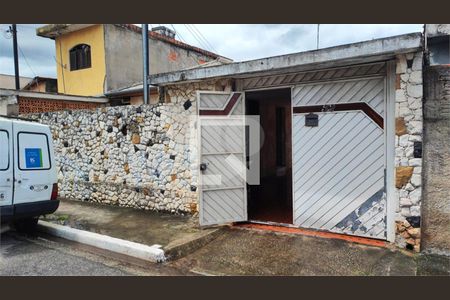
pixel 272 199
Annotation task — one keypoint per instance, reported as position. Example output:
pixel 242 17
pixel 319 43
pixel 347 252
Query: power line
pixel 7 35
pixel 196 37
pixel 204 38
pixel 179 35
pixel 183 40
pixel 26 60
pixel 207 46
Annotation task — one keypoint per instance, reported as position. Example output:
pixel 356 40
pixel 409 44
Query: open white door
pixel 6 166
pixel 223 192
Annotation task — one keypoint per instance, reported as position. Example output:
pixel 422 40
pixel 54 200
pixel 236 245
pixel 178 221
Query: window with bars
pixel 80 57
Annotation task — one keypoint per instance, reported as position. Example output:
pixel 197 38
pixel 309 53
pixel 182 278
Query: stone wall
pixel 133 156
pixel 127 156
pixel 408 153
pixel 436 194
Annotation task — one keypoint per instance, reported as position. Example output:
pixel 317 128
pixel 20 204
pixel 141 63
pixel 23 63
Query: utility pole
pixel 145 61
pixel 13 30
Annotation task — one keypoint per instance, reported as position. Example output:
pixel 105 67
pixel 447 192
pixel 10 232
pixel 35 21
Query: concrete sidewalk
pixel 243 251
pixel 178 235
pixel 240 251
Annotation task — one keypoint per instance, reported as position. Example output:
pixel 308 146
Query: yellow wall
pixel 85 82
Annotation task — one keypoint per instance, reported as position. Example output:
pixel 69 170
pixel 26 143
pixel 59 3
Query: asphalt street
pixel 38 255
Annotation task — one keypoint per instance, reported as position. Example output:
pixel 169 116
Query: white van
pixel 28 180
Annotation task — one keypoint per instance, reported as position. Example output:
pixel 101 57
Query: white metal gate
pixel 223 190
pixel 339 156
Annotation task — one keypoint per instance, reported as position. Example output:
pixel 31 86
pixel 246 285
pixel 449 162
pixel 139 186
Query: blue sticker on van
pixel 33 158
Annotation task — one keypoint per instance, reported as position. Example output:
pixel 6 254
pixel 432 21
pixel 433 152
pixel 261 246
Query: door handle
pixel 8 179
pixel 203 166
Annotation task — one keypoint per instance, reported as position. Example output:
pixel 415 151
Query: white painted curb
pixel 150 253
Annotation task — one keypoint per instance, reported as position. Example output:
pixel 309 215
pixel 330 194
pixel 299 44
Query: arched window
pixel 80 57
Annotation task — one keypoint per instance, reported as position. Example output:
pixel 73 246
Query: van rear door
pixel 6 166
pixel 34 163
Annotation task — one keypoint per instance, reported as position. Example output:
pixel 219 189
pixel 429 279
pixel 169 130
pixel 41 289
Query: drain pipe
pixel 145 60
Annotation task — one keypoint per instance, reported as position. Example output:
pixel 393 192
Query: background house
pixel 42 84
pixel 94 59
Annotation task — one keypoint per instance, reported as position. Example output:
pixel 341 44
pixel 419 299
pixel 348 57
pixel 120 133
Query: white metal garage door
pixel 339 156
pixel 223 191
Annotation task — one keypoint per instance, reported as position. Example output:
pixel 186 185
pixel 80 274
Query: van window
pixel 34 152
pixel 4 151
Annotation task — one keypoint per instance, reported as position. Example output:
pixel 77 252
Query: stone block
pixel 417 63
pixel 414 103
pixel 136 139
pixel 403 110
pixel 404 234
pixel 415 91
pixel 399 152
pixel 415 196
pixel 402 176
pixel 410 241
pixel 415 77
pixel 403 140
pixel 414 232
pixel 400 126
pixel 415 127
pixel 416 180
pixel 405 202
pixel 405 212
pixel 401 65
pixel 415 211
pixel 415 162
pixel 404 162
pixel 409 187
pixel 400 96
pixel 415 138
pixel 409 152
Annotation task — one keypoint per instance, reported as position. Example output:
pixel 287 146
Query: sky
pixel 236 41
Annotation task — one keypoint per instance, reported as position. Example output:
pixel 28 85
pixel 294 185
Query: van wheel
pixel 28 225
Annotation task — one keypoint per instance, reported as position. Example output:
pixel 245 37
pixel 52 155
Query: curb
pixel 149 253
